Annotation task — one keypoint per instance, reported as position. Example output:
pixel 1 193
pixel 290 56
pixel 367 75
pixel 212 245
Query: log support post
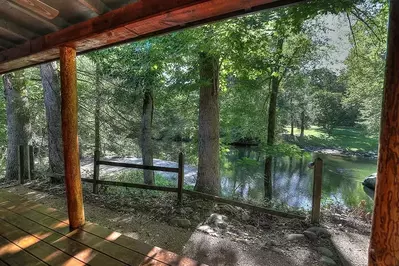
pixel 69 114
pixel 384 242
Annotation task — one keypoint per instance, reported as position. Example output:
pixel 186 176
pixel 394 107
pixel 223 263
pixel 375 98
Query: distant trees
pixel 18 119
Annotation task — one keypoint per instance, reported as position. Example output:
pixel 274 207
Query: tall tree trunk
pixel 302 124
pixel 208 178
pixel 271 128
pixel 97 140
pixel 146 135
pixel 268 182
pixel 292 126
pixel 18 124
pixel 52 103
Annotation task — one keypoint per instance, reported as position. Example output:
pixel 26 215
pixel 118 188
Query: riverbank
pixel 353 142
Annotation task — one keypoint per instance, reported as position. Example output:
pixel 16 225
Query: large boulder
pixel 370 181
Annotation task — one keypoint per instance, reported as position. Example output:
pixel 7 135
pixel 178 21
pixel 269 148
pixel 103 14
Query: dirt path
pixel 259 240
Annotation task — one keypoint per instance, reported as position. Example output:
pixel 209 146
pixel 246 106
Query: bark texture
pixel 52 103
pixel 69 115
pixel 271 128
pixel 208 178
pixel 18 124
pixel 384 242
pixel 146 136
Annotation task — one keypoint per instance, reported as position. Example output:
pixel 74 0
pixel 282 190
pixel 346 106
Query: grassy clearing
pixel 352 139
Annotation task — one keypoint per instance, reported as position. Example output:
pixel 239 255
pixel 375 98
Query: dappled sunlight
pixel 8 249
pixel 113 236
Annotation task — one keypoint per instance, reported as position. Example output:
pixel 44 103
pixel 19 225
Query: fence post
pixel 96 171
pixel 21 165
pixel 180 178
pixel 317 182
pixel 31 162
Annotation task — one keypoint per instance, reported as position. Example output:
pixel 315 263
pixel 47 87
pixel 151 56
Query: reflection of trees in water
pixel 243 172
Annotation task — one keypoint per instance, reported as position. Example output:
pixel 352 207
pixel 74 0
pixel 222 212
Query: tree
pixel 208 178
pixel 52 102
pixel 18 124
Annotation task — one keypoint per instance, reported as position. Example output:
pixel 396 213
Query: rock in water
pixel 180 222
pixel 370 181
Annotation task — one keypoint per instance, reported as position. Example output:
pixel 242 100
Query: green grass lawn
pixel 353 139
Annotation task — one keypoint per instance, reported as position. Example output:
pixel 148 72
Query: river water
pixel 242 172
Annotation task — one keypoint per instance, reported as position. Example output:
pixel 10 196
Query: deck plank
pixel 59 241
pixel 13 255
pixel 157 253
pixel 36 247
pixel 102 245
pixel 102 240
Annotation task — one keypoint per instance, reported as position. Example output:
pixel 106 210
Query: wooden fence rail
pixel 179 170
pixel 316 196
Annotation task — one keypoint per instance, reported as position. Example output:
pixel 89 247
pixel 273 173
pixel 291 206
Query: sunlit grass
pixel 352 139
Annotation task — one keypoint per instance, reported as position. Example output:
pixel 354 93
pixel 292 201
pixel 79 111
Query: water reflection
pixel 243 170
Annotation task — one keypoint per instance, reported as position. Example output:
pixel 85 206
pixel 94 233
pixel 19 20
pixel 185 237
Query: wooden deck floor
pixel 32 234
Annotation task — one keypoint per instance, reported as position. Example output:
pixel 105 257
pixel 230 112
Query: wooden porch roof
pixel 31 31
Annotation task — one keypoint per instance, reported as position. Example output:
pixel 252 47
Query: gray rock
pixel 250 228
pixel 180 222
pixel 325 251
pixel 206 229
pixel 221 225
pixel 310 235
pixel 217 220
pixel 319 231
pixel 370 181
pixel 293 237
pixel 327 261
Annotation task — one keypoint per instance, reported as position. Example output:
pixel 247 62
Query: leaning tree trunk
pixel 18 124
pixel 268 182
pixel 146 136
pixel 208 178
pixel 52 103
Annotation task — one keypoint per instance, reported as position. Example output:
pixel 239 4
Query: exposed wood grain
pixel 384 242
pixel 97 6
pixel 138 20
pixel 38 7
pixel 69 114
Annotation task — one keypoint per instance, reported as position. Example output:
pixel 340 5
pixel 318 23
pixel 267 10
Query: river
pixel 242 171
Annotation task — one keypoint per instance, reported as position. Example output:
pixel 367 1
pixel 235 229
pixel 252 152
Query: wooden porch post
pixel 69 113
pixel 384 243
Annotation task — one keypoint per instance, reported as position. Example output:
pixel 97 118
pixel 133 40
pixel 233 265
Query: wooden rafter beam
pixel 16 30
pixel 55 24
pixel 38 7
pixel 97 6
pixel 6 44
pixel 135 21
